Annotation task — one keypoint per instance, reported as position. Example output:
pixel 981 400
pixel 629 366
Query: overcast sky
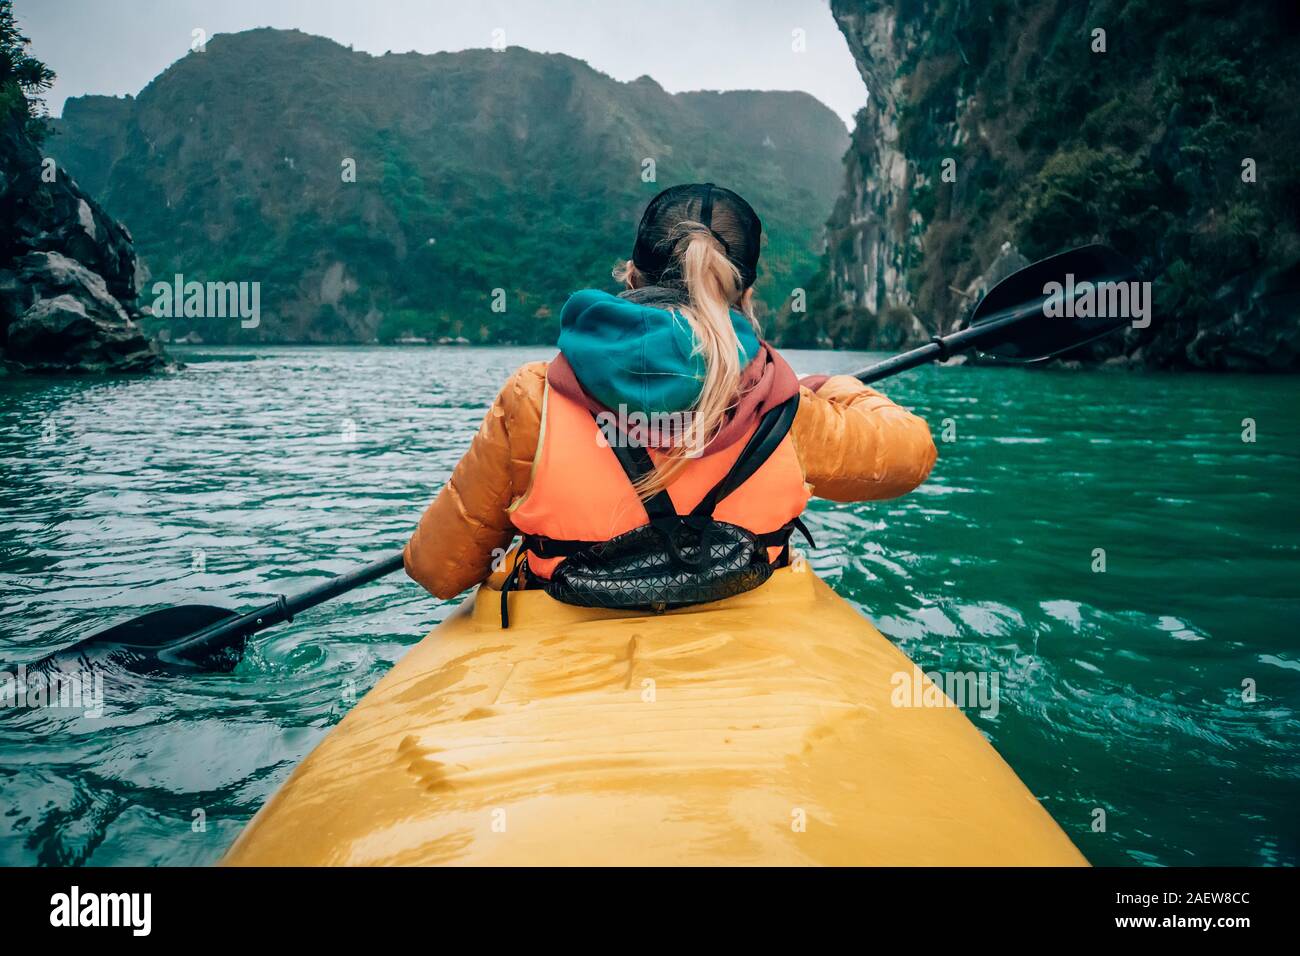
pixel 118 46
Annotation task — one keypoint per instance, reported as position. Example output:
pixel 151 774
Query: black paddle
pixel 1001 325
pixel 1010 323
pixel 200 636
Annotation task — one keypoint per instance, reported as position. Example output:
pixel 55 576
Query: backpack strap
pixel 553 547
pixel 637 464
pixel 771 431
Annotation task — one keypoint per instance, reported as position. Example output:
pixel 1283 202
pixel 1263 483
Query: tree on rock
pixel 23 78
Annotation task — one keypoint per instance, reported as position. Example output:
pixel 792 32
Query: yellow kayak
pixel 758 730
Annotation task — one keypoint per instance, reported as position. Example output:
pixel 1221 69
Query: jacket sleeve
pixel 469 523
pixel 857 445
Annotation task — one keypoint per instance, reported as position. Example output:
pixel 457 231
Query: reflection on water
pixel 247 474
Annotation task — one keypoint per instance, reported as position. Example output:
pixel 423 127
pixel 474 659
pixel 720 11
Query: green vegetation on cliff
pixel 474 172
pixel 23 78
pixel 1175 142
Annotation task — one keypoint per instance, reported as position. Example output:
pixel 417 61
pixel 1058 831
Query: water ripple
pixel 1162 689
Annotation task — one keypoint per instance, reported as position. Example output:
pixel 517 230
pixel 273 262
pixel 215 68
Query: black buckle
pixel 512 580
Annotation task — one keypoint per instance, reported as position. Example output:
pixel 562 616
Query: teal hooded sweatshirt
pixel 639 356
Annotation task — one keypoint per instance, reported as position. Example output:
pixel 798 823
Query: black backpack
pixel 675 560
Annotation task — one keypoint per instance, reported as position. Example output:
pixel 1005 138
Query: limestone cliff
pixel 1001 131
pixel 68 272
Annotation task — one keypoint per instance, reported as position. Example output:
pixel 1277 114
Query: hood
pixel 622 351
pixel 636 355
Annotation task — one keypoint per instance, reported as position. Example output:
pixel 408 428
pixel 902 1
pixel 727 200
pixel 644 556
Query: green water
pixel 1120 691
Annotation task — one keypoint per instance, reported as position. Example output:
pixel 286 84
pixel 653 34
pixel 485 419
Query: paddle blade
pixel 1093 280
pixel 145 644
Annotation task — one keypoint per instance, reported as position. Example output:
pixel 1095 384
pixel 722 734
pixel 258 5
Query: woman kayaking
pixel 664 457
pixel 777 727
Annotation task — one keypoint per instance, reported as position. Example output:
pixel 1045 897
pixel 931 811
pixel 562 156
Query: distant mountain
pixel 475 172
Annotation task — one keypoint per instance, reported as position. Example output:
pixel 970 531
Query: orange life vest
pixel 580 492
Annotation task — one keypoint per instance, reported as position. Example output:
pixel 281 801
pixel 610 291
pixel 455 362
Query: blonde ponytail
pixel 714 287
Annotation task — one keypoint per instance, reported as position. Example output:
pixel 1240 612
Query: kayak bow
pixel 757 730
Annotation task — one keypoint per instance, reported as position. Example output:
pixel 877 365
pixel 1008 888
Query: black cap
pixel 732 221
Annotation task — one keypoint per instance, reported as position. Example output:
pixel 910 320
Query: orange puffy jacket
pixel 853 443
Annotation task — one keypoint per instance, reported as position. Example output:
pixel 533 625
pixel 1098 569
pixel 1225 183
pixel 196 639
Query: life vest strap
pixel 771 431
pixel 553 547
pixel 781 536
pixel 567 547
pixel 637 464
pixel 769 434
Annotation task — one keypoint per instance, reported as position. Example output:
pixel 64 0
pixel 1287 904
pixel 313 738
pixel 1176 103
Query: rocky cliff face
pixel 1001 131
pixel 68 279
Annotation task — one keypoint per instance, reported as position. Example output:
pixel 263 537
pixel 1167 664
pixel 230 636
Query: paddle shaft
pixel 940 348
pixel 284 608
